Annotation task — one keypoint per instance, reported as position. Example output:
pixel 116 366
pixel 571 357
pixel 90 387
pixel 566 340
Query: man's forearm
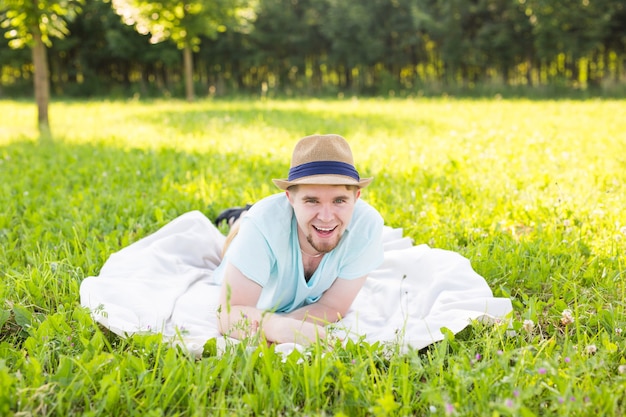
pixel 317 313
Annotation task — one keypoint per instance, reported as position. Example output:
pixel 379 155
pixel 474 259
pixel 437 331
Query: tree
pixel 504 37
pixel 105 56
pixel 184 22
pixel 286 35
pixel 615 40
pixel 32 23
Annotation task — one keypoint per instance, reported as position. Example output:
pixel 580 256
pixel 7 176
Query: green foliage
pixel 532 192
pixel 184 22
pixel 322 47
pixel 50 16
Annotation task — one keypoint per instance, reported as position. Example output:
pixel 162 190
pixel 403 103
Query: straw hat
pixel 322 160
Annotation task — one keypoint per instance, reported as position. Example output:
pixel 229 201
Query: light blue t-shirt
pixel 266 250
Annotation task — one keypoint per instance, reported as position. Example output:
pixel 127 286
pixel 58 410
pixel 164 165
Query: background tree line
pixel 322 47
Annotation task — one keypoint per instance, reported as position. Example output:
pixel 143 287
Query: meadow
pixel 532 192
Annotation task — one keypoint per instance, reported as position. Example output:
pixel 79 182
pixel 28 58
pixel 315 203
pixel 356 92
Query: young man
pixel 300 257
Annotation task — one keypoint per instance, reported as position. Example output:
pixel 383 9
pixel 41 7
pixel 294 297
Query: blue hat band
pixel 323 168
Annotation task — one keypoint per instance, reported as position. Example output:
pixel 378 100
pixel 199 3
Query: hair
pixel 234 229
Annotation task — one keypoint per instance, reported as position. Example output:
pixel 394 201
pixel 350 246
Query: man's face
pixel 323 212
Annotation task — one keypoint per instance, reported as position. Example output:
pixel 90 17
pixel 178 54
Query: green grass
pixel 532 192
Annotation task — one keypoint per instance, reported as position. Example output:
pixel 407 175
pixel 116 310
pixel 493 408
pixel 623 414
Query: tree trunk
pixel 41 83
pixel 188 63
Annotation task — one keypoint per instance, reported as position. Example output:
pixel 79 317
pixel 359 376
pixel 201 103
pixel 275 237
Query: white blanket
pixel 163 283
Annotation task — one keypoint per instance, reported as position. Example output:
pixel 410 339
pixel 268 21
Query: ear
pixel 358 193
pixel 289 197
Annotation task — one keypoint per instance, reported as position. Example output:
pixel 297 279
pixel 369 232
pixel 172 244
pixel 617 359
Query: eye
pixel 340 200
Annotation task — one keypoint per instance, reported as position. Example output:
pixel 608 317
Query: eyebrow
pixel 310 197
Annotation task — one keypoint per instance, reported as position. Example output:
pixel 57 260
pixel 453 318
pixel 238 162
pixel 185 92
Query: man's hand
pixel 243 321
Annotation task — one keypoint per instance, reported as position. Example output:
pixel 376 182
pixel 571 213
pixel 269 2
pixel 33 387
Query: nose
pixel 326 213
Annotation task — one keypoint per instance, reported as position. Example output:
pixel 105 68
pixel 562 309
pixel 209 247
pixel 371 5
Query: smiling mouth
pixel 324 230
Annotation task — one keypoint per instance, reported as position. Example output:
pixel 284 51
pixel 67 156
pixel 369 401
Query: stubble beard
pixel 323 248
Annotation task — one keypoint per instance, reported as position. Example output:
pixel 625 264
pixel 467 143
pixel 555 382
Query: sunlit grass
pixel 531 191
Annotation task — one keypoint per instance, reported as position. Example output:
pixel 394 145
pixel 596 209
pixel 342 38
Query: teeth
pixel 321 229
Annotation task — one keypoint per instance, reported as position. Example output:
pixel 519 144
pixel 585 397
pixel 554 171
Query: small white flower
pixel 591 349
pixel 618 331
pixel 621 369
pixel 528 325
pixel 566 317
pixel 432 409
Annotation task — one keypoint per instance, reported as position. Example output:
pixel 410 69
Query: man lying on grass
pixel 298 259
